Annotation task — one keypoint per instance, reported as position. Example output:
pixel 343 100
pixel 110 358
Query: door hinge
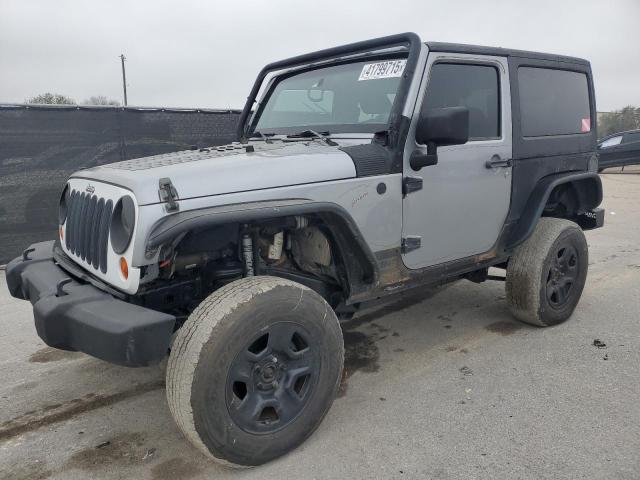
pixel 410 243
pixel 411 184
pixel 169 194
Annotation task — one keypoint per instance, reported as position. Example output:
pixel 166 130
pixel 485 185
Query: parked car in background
pixel 619 149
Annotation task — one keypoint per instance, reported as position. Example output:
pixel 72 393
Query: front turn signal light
pixel 61 233
pixel 124 268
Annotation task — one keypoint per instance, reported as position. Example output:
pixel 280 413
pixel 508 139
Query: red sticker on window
pixel 586 125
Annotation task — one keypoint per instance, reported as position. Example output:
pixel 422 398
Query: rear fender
pixel 587 187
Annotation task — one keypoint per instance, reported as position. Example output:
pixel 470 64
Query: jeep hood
pixel 226 169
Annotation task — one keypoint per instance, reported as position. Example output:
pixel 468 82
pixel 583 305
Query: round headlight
pixel 122 222
pixel 64 205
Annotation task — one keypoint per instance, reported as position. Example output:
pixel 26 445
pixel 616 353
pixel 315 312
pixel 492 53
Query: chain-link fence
pixel 40 146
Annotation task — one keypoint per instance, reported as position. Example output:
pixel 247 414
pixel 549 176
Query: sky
pixel 193 53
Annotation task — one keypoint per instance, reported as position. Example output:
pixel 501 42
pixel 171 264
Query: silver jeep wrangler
pixel 360 172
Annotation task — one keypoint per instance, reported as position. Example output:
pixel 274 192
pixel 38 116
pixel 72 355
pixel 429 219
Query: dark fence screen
pixel 40 146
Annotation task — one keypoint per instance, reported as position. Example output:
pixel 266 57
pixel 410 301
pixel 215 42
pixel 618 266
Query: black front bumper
pixel 71 314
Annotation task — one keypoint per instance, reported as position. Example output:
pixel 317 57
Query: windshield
pixel 349 98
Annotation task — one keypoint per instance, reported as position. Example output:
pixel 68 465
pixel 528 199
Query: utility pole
pixel 124 78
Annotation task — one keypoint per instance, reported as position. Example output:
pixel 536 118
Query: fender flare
pixel 540 194
pixel 358 257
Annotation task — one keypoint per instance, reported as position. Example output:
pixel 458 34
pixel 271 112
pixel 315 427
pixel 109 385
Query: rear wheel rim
pixel 562 276
pixel 272 379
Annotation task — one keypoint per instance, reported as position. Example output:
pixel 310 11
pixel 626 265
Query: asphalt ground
pixel 443 384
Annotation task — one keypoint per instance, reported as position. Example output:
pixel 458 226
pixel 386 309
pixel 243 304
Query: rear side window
pixel 472 86
pixel 553 102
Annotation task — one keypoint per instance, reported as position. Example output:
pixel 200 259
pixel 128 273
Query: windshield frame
pixel 404 42
pixel 332 128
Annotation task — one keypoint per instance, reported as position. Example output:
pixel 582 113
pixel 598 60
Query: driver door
pixel 462 205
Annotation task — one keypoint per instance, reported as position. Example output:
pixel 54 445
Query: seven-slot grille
pixel 87 233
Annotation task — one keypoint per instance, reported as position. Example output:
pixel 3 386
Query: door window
pixel 472 86
pixel 632 137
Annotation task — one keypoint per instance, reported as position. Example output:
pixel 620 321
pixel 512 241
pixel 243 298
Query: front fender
pixel 357 255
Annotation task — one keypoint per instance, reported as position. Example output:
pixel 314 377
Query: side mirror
pixel 439 127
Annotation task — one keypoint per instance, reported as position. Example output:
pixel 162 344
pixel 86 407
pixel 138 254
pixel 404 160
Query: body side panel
pixel 535 158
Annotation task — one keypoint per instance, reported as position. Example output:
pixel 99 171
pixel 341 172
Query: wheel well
pixel 567 195
pixel 317 250
pixel 570 199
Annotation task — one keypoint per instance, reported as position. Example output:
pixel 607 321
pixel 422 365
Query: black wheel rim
pixel 562 276
pixel 272 379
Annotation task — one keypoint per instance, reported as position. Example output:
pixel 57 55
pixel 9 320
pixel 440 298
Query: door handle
pixel 497 162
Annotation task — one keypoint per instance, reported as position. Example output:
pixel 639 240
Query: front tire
pixel 254 370
pixel 547 273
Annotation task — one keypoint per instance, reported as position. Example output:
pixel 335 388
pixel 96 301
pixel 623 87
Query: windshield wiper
pixel 263 136
pixel 324 136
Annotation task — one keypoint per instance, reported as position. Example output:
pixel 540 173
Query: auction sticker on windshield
pixel 388 69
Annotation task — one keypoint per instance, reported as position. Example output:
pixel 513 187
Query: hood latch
pixel 168 194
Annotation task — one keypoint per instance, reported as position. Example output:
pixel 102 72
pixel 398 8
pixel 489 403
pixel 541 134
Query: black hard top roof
pixel 501 52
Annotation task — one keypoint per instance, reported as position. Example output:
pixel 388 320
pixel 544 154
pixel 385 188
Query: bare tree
pixel 612 122
pixel 101 100
pixel 51 99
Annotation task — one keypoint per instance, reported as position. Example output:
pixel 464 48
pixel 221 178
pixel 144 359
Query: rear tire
pixel 254 370
pixel 547 273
